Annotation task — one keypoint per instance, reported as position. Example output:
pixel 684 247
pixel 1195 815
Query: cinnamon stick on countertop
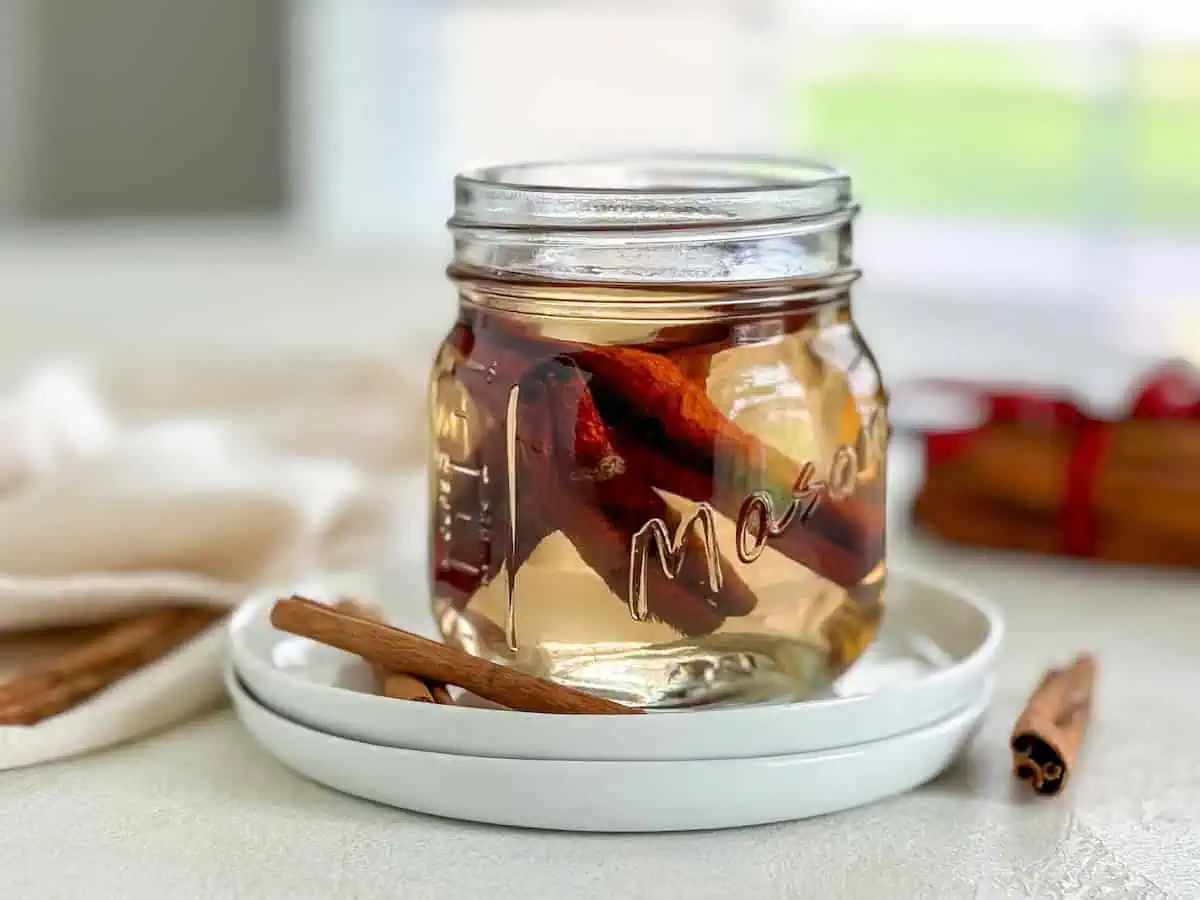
pixel 1046 738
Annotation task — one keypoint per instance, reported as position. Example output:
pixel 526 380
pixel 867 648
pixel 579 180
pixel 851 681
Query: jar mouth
pixel 649 191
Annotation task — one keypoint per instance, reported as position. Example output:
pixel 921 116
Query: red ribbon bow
pixel 1170 392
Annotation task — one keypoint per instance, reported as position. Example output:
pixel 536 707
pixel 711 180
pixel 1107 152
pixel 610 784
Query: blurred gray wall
pixel 142 107
pixel 15 66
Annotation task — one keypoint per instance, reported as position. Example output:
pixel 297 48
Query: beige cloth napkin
pixel 123 489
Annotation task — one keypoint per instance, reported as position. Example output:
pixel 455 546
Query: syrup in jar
pixel 659 439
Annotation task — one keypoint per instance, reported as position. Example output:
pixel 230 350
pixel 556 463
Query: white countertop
pixel 201 812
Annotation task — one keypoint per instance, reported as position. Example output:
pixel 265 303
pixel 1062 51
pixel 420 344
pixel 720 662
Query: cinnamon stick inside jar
pixel 659 423
pixel 665 443
pixel 842 542
pixel 1047 737
pixel 563 449
pixel 602 476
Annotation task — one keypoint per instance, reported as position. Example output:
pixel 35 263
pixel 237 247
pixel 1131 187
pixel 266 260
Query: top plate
pixel 931 658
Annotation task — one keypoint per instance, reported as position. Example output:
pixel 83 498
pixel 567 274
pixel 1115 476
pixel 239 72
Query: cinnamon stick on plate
pixel 397 685
pixel 1046 739
pixel 398 650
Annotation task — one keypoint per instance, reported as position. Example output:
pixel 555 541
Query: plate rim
pixel 971 667
pixel 615 796
pixel 974 709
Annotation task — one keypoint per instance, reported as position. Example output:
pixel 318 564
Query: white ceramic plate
pixel 931 658
pixel 581 795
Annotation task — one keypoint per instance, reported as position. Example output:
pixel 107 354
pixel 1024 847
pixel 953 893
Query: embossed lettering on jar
pixel 659 439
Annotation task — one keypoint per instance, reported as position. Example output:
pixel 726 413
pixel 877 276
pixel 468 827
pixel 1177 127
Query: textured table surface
pixel 201 812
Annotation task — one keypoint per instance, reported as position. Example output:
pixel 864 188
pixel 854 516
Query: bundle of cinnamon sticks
pixel 1120 491
pixel 116 651
pixel 597 432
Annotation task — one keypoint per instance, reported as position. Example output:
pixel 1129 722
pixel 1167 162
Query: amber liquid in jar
pixel 650 494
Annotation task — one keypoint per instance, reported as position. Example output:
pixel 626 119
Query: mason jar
pixel 659 439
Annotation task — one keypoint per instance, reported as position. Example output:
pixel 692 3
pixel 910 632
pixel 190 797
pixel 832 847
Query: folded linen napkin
pixel 111 502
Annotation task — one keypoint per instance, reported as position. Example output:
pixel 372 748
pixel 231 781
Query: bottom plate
pixel 614 796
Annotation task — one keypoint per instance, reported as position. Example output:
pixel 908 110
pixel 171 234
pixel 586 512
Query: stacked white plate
pixel 896 720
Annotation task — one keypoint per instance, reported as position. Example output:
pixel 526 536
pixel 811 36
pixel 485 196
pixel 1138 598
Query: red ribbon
pixel 1078 519
pixel 1172 392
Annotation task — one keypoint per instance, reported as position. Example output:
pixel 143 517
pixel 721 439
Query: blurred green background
pixel 998 130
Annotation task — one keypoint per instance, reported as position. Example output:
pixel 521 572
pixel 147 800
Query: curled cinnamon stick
pixel 123 638
pixel 598 473
pixel 626 423
pixel 564 452
pixel 668 426
pixel 398 650
pixel 400 686
pixel 695 362
pixel 85 671
pixel 1046 738
pixel 602 536
pixel 690 440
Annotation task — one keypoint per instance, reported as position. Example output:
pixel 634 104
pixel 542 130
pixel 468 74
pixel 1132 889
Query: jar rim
pixel 638 191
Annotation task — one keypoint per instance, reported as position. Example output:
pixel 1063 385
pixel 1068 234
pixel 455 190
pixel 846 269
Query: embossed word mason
pixel 671 549
pixel 758 522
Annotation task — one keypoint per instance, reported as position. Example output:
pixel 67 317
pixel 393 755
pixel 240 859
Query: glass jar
pixel 659 439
